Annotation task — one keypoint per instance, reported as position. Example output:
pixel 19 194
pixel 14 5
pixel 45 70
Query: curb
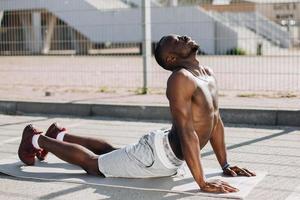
pixel 148 112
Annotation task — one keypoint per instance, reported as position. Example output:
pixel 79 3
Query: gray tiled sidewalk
pixel 272 149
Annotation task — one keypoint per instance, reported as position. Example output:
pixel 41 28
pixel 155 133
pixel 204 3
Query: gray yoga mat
pixel 55 169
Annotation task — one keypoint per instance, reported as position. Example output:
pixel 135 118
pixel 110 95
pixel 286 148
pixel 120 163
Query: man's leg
pixel 97 146
pixel 33 142
pixel 71 153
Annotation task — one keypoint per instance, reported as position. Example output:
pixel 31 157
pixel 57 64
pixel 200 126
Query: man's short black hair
pixel 159 50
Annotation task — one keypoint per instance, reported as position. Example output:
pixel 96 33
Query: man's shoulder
pixel 181 71
pixel 180 87
pixel 181 83
pixel 180 75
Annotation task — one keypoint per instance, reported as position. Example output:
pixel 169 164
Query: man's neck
pixel 192 64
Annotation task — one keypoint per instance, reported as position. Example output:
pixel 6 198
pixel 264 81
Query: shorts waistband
pixel 165 152
pixel 169 152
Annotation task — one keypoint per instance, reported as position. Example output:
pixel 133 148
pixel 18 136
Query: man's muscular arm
pixel 217 141
pixel 180 90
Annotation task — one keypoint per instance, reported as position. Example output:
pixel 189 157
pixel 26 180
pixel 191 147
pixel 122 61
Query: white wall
pixel 189 21
pixel 226 38
pixel 124 25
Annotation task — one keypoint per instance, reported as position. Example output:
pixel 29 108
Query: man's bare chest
pixel 205 109
pixel 206 94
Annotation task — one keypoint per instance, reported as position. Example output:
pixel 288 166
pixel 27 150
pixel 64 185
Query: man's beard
pixel 195 48
pixel 192 51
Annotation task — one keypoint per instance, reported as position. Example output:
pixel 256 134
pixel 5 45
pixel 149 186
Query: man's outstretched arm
pixel 218 144
pixel 180 91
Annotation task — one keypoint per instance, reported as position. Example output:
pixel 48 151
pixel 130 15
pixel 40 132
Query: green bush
pixel 236 51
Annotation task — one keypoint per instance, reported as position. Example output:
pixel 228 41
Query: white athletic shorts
pixel 152 156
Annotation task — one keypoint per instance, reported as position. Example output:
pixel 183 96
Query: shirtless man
pixel 192 94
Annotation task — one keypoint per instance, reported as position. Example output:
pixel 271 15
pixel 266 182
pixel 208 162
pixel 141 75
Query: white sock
pixel 35 141
pixel 61 136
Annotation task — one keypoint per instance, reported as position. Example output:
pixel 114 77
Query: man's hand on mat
pixel 218 186
pixel 237 171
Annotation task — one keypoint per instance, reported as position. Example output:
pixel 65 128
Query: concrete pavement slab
pixel 54 169
pixel 266 148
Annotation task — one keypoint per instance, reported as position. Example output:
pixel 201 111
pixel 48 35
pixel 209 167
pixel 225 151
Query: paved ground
pixel 272 149
pixel 243 73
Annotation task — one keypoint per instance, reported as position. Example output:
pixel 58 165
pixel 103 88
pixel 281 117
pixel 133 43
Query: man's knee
pixel 91 166
pixel 108 148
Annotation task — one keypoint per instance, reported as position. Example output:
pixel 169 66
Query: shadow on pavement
pixel 234 146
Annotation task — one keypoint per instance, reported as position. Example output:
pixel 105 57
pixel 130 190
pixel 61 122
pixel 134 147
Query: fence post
pixel 1 16
pixel 146 27
pixel 49 34
pixel 37 32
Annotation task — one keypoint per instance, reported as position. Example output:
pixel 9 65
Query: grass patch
pixel 105 89
pixel 141 91
pixel 222 95
pixel 287 95
pixel 277 95
pixel 247 95
pixel 236 51
pixel 75 90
